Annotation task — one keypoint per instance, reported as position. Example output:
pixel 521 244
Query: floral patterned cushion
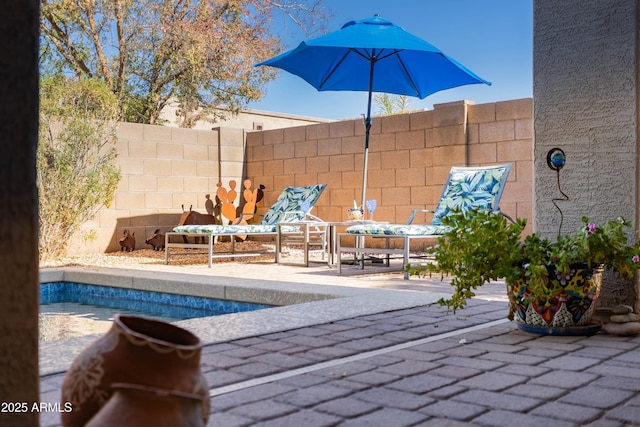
pixel 233 229
pixel 292 205
pixel 398 229
pixel 466 188
pixel 225 229
pixel 469 188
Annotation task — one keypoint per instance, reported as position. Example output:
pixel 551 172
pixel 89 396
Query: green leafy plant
pixel 391 104
pixel 483 246
pixel 77 172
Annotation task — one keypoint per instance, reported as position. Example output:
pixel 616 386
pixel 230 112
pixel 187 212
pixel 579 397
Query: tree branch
pixel 94 33
pixel 63 44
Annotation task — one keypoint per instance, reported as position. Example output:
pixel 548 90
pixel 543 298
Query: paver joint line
pixel 331 363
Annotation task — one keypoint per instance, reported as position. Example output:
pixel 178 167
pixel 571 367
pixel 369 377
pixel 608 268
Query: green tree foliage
pixel 391 104
pixel 76 171
pixel 153 52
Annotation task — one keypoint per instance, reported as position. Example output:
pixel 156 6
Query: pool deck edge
pixel 300 305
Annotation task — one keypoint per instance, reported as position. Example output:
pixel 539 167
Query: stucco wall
pixel 586 103
pixel 585 98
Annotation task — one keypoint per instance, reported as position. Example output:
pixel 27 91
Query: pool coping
pixel 299 304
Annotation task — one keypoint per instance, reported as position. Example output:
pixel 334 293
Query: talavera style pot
pixel 139 351
pixel 139 406
pixel 569 308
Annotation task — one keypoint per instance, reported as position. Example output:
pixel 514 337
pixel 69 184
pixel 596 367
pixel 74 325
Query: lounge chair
pixel 466 188
pixel 292 205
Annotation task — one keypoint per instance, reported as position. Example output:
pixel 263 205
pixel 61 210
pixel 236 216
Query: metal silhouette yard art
pixel 242 214
pixel 224 212
pixel 192 217
pixel 127 241
pixel 156 240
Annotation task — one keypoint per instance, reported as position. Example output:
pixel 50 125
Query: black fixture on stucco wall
pixel 556 160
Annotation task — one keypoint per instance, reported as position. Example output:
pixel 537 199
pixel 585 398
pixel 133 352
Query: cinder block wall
pixel 410 156
pixel 502 132
pixel 162 169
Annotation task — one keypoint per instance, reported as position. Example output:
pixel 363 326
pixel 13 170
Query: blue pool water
pixel 70 309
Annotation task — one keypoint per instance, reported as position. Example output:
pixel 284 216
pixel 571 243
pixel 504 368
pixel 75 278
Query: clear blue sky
pixel 493 38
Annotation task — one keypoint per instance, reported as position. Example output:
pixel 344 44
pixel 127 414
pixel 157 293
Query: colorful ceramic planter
pixel 571 303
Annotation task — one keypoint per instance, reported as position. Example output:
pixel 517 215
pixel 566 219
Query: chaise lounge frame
pixel 466 188
pixel 293 205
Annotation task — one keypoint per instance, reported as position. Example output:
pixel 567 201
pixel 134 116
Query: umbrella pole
pixel 367 126
pixel 366 161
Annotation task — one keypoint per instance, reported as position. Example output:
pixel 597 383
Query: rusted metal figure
pixel 192 217
pixel 128 241
pixel 156 240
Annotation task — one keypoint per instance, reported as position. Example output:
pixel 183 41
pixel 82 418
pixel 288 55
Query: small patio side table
pixel 359 248
pixel 284 231
pixel 334 243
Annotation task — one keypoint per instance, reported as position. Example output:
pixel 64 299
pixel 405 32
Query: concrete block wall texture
pixel 410 156
pixel 586 103
pixel 163 169
pixel 502 132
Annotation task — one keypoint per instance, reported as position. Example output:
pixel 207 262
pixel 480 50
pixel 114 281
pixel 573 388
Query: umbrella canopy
pixel 374 55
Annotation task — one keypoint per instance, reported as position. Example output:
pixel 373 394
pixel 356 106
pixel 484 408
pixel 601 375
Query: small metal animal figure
pixel 192 217
pixel 128 241
pixel 156 240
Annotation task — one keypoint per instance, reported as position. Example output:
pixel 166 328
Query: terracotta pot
pixel 139 351
pixel 572 302
pixel 139 406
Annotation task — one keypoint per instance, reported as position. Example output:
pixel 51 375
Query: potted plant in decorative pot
pixel 552 286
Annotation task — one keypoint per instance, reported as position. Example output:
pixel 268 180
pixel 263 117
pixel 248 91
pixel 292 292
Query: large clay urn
pixel 139 406
pixel 136 350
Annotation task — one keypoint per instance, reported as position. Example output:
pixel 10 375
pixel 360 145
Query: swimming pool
pixel 70 309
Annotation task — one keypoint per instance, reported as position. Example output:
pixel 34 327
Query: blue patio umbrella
pixel 373 55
